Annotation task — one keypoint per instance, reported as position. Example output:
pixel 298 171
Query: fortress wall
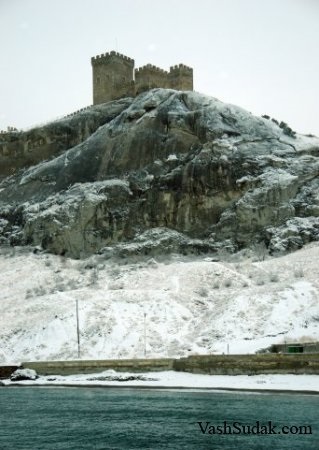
pixel 149 77
pixel 25 149
pixel 113 75
pixel 206 364
pixel 122 90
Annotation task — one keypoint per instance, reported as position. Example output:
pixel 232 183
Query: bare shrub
pixel 39 291
pixel 72 284
pixel 273 277
pixel 94 277
pixel 224 255
pixel 260 250
pixel 59 287
pixel 202 291
pixel 299 273
pixel 115 272
pixel 117 285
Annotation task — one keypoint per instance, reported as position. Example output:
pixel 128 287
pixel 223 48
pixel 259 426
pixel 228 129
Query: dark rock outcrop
pixel 205 173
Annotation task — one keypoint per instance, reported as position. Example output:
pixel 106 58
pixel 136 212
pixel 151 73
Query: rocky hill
pixel 165 171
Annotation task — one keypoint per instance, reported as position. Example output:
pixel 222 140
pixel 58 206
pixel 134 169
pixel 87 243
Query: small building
pixel 295 347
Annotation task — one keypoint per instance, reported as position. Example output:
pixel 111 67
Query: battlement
pixel 9 130
pixel 114 77
pixel 150 68
pixel 106 57
pixel 179 67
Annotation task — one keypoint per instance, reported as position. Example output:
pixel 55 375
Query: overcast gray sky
pixel 259 54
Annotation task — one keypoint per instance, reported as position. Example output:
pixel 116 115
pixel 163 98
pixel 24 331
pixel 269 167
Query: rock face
pixel 22 149
pixel 200 173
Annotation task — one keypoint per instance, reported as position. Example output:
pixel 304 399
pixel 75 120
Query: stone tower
pixel 181 78
pixel 112 77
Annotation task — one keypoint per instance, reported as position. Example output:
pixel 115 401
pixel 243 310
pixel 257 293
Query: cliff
pixel 165 171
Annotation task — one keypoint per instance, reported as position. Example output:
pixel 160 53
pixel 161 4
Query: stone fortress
pixel 114 77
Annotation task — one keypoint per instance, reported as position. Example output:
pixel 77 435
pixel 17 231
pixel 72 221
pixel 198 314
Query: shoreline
pixel 162 388
pixel 173 380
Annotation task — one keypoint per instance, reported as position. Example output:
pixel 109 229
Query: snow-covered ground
pixel 172 379
pixel 170 308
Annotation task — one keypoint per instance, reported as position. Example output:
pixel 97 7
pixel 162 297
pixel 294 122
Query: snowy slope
pixel 171 307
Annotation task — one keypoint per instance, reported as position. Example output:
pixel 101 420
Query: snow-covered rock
pixel 23 374
pixel 208 170
pixel 137 190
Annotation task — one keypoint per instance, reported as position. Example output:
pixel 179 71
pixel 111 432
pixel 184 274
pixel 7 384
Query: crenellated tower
pixel 181 77
pixel 112 77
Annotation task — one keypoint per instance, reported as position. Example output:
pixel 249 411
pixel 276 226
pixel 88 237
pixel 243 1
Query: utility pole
pixel 77 326
pixel 144 334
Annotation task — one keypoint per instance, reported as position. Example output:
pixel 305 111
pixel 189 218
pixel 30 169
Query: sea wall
pixel 249 364
pixel 205 364
pixel 95 366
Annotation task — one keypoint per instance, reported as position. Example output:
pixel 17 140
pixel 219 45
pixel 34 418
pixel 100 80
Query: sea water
pixel 43 418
